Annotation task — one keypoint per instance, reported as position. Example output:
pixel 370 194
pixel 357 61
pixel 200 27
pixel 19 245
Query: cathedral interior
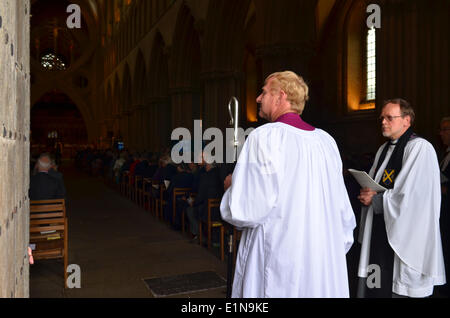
pixel 132 71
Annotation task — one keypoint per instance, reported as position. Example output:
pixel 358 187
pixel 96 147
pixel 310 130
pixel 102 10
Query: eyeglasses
pixel 444 129
pixel 389 118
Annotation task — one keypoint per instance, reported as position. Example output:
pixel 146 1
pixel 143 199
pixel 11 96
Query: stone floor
pixel 117 245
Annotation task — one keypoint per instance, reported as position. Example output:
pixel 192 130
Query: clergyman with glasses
pixel 399 231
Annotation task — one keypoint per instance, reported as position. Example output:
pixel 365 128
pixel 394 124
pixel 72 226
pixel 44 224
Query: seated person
pixel 136 161
pixel 183 179
pixel 140 169
pixel 45 185
pixel 169 169
pixel 209 187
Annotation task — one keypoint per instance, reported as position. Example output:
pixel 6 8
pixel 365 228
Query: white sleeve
pixel 255 182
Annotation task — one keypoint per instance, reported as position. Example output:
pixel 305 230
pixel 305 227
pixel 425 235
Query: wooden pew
pixel 49 232
pixel 147 196
pixel 160 202
pixel 176 193
pixel 154 198
pixel 193 195
pixel 213 203
pixel 137 190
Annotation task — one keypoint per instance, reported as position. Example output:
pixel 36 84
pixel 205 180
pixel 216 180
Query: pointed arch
pixel 185 66
pixel 159 73
pixel 186 60
pixel 78 101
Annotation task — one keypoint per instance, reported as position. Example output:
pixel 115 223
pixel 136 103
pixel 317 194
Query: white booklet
pixel 167 183
pixel 365 181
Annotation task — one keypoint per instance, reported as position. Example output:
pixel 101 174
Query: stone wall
pixel 14 147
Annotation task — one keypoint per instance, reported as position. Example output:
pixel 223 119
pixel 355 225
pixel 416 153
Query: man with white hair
pixel 287 194
pixel 43 185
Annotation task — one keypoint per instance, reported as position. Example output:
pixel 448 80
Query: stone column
pixel 124 128
pixel 14 147
pixel 138 133
pixel 160 127
pixel 182 108
pixel 219 87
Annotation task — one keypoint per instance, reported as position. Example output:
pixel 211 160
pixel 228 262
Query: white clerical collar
pixel 393 142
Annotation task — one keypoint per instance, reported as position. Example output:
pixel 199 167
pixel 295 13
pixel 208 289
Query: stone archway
pixel 40 90
pixel 56 118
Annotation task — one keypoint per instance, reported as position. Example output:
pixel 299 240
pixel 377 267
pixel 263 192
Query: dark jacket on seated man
pixel 47 183
pixel 183 179
pixel 169 171
pixel 44 186
pixel 209 187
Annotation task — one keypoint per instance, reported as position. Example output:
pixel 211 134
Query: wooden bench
pixel 124 183
pixel 48 231
pixel 160 202
pixel 176 193
pixel 193 195
pixel 137 190
pixel 147 196
pixel 213 203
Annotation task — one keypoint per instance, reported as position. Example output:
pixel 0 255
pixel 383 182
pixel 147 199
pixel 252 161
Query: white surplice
pixel 411 213
pixel 289 198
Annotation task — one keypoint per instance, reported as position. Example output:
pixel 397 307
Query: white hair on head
pixel 44 165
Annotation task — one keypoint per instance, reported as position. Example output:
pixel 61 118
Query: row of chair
pixel 139 190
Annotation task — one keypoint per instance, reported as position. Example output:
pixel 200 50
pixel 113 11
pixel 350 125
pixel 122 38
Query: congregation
pixel 157 176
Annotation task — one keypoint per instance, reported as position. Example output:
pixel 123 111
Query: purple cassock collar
pixel 294 120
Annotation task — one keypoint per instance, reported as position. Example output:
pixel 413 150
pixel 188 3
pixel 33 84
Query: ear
pixel 408 120
pixel 282 95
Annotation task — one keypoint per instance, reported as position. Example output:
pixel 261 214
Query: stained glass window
pixel 52 62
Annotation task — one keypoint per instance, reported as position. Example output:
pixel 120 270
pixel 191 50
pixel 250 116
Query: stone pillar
pixel 182 108
pixel 132 142
pixel 14 147
pixel 136 127
pixel 151 126
pixel 159 122
pixel 219 88
pixel 124 128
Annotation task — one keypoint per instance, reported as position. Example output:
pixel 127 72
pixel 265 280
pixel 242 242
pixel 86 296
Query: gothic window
pixel 360 60
pixel 371 65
